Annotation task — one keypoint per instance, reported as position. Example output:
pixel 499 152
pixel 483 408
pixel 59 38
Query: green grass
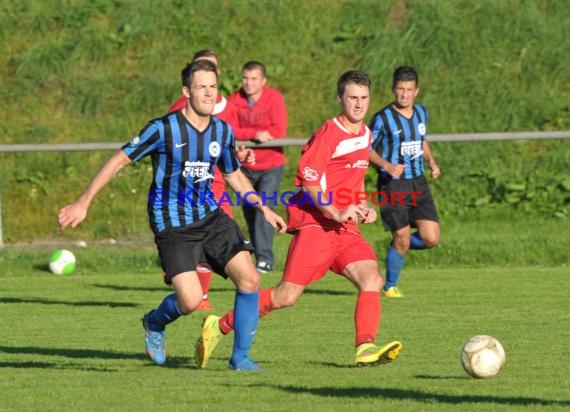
pixel 76 343
pixel 97 71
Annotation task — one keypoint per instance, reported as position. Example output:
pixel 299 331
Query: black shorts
pixel 403 202
pixel 211 242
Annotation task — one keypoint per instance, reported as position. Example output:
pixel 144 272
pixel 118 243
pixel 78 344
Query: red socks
pixel 367 316
pixel 205 277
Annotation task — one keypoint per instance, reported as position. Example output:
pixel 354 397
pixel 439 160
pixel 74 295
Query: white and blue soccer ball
pixel 62 262
pixel 482 356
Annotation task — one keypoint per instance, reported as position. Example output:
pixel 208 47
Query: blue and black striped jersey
pixel 183 162
pixel 399 140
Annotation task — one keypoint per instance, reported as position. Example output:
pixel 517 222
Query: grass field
pixel 76 342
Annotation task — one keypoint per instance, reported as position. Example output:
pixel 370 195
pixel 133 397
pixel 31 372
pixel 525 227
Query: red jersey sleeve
pixel 315 157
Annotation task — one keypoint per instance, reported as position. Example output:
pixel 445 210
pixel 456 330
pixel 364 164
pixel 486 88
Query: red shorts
pixel 314 250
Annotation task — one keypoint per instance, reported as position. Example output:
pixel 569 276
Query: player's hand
pixel 274 220
pixel 245 155
pixel 435 172
pixel 262 136
pixel 395 170
pixel 353 213
pixel 371 216
pixel 72 214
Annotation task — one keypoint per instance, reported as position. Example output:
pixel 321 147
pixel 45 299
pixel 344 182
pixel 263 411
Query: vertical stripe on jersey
pixel 393 130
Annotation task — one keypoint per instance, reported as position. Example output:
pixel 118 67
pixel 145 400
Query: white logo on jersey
pixel 178 146
pixel 135 141
pixel 422 129
pixel 214 149
pixel 359 164
pixel 413 149
pixel 310 175
pixel 199 170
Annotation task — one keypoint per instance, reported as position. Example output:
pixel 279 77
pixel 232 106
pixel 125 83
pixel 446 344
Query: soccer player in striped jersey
pixel 189 229
pixel 223 111
pixel 325 233
pixel 399 149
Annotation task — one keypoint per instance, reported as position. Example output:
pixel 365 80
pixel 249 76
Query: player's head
pixel 200 86
pixel 353 94
pixel 190 70
pixel 405 74
pixel 405 86
pixel 206 54
pixel 352 77
pixel 253 78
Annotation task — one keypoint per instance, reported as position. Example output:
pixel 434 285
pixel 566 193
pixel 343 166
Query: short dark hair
pixel 198 65
pixel 405 74
pixel 352 77
pixel 205 53
pixel 254 65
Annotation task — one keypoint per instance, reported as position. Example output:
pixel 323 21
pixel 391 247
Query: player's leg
pixel 186 298
pixel 425 217
pixel 298 273
pixel 395 260
pixel 205 277
pixel 367 314
pixel 428 234
pixel 246 315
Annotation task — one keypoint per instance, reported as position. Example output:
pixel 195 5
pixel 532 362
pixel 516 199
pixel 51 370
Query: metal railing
pixel 462 137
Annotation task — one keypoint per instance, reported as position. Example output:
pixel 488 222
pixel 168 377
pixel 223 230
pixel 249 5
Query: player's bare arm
pixel 394 170
pixel 435 172
pixel 74 213
pixel 240 183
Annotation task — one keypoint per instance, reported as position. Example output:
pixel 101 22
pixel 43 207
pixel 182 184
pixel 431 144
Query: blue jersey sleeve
pixel 229 162
pixel 149 140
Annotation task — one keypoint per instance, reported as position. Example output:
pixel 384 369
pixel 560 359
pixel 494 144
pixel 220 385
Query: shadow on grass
pixel 71 353
pixel 123 288
pixel 43 301
pixel 415 395
pixel 439 377
pixel 47 365
pixel 172 361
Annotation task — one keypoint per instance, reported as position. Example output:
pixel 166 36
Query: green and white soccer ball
pixel 483 356
pixel 62 262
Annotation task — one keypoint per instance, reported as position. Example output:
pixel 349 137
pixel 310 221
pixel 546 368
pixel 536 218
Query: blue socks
pixel 394 265
pixel 416 242
pixel 166 313
pixel 246 317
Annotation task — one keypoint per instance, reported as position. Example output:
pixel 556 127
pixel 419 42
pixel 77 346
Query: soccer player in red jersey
pixel 325 234
pixel 223 111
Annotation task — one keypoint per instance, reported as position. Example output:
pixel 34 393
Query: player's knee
pixel 249 282
pixel 188 304
pixel 431 240
pixel 374 282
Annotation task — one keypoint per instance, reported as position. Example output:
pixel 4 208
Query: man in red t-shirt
pixel 223 111
pixel 324 226
pixel 261 116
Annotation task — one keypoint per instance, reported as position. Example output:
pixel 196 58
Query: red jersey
pixel 268 113
pixel 336 160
